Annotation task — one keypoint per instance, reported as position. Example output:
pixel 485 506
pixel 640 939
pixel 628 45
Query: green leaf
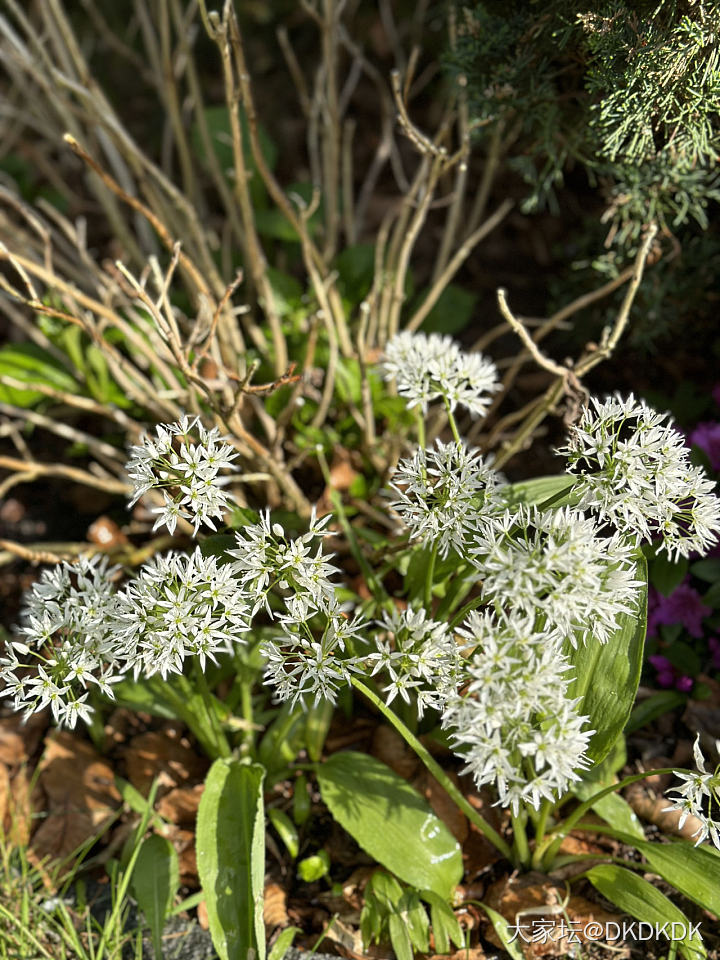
pixel 452 312
pixel 539 490
pixel 606 675
pixel 137 695
pixel 230 844
pixel 708 570
pixel 445 925
pixel 317 725
pixel 500 925
pixel 656 705
pixel 665 574
pixel 286 829
pixel 31 364
pixel 314 867
pixel 415 918
pixel 391 821
pixel 283 943
pixel 634 895
pixel 618 813
pixel 301 800
pixel 693 871
pixel 155 881
pixel 400 938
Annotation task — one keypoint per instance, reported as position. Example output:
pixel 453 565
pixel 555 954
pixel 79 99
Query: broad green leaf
pixel 283 943
pixel 694 871
pixel 286 830
pixel 666 574
pixel 415 918
pixel 452 312
pixel 707 570
pixel 634 895
pixel 612 808
pixel 31 364
pixel 400 937
pixel 500 926
pixel 539 490
pixel 230 845
pixel 317 726
pixel 391 821
pixel 619 814
pixel 155 882
pixel 301 800
pixel 138 695
pixel 656 705
pixel 606 675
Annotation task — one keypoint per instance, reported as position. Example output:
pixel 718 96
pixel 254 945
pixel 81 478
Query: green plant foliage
pixel 230 844
pixel 391 821
pixel 155 882
pixel 606 676
pixel 629 90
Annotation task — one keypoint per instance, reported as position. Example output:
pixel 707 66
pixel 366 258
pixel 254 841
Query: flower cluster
pixel 634 471
pixel 310 653
pixel 188 474
pixel 419 655
pixel 444 494
pixel 698 790
pixel 555 566
pixel 179 606
pixel 428 367
pixel 513 721
pixel 68 642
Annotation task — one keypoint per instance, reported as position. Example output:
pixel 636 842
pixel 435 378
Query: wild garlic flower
pixel 68 643
pixel 443 495
pixel 419 656
pixel 634 471
pixel 512 721
pixel 176 607
pixel 427 367
pixel 311 654
pixel 266 557
pixel 556 566
pixel 699 791
pixel 188 474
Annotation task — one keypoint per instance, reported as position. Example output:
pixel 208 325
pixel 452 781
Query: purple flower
pixel 665 671
pixel 684 684
pixel 707 437
pixel 683 606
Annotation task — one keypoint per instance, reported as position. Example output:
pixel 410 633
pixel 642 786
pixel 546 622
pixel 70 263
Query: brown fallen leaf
pixel 81 796
pixel 202 915
pixel 181 804
pixel 184 843
pixel 18 740
pixel 275 906
pixel 537 909
pixel 155 754
pixel 18 815
pixel 106 533
pixel 4 794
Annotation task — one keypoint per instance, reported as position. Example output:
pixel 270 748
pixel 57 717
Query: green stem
pixel 436 770
pixel 247 714
pixel 540 828
pixel 464 611
pixel 547 850
pixel 420 428
pixel 453 424
pixel 521 847
pixel 429 577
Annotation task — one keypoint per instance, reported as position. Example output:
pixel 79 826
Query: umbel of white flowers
pixel 499 681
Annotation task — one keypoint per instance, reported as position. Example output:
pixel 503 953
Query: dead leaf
pixel 156 754
pixel 4 794
pixel 537 909
pixel 180 806
pixel 106 533
pixel 654 809
pixel 18 740
pixel 184 843
pixel 389 747
pixel 81 796
pixel 18 815
pixel 202 915
pixel 275 906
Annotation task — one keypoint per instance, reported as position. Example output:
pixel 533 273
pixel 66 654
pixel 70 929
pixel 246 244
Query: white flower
pixel 512 720
pixel 179 606
pixel 557 566
pixel 266 556
pixel 427 367
pixel 444 494
pixel 634 471
pixel 699 792
pixel 416 654
pixel 187 473
pixel 68 642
